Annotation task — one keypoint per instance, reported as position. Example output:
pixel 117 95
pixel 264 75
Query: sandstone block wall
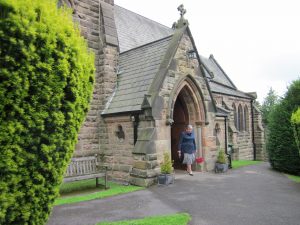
pixel 88 19
pixel 241 140
pixel 259 136
pixel 93 16
pixel 116 151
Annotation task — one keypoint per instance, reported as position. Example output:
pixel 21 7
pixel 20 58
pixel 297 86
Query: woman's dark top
pixel 187 143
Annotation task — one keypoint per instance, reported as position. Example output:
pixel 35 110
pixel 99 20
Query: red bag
pixel 199 160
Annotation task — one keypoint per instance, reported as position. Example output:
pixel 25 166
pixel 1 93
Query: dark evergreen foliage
pixel 281 143
pixel 46 80
pixel 296 126
pixel 269 102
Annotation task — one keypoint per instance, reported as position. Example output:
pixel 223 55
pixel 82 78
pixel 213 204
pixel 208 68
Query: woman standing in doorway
pixel 187 148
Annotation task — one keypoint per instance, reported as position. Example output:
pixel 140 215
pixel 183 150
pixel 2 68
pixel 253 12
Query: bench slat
pixel 85 177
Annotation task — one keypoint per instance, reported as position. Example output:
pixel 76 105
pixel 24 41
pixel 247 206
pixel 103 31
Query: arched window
pixel 235 117
pixel 246 118
pixel 240 118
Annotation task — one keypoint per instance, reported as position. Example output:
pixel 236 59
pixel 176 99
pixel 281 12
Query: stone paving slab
pixel 246 196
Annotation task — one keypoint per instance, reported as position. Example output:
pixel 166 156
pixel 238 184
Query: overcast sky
pixel 257 42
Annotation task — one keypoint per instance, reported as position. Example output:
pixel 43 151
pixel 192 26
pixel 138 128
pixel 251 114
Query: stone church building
pixel 150 82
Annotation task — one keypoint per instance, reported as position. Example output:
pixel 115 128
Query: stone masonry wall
pixel 108 80
pixel 219 131
pixel 145 165
pixel 241 140
pixel 119 146
pixel 87 17
pixel 259 137
pixel 94 18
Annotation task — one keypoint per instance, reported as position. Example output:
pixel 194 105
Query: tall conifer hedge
pixel 281 143
pixel 46 81
pixel 295 119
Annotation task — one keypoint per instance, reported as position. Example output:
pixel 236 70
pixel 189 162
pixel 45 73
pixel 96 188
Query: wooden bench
pixel 84 168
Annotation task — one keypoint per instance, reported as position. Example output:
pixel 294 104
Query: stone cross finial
pixel 182 10
pixel 182 21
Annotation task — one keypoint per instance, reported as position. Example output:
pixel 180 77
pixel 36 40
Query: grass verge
pixel 240 163
pixel 294 178
pixel 173 219
pixel 85 190
pixel 79 186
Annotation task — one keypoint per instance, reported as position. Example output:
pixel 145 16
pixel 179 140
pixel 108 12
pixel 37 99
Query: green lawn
pixel 294 178
pixel 173 219
pixel 240 163
pixel 79 186
pixel 85 190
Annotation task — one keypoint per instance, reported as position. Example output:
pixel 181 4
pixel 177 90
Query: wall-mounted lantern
pixel 191 54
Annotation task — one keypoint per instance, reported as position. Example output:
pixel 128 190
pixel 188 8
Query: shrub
pixel 295 119
pixel 46 76
pixel 268 104
pixel 166 166
pixel 221 157
pixel 281 144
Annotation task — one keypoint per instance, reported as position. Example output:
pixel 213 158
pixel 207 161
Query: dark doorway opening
pixel 181 119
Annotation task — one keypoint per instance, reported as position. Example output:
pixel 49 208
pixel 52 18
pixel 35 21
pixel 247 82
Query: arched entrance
pixel 187 109
pixel 181 119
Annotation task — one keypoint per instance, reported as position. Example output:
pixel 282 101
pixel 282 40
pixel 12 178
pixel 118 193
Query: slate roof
pixel 218 88
pixel 219 82
pixel 222 112
pixel 135 30
pixel 137 69
pixel 215 71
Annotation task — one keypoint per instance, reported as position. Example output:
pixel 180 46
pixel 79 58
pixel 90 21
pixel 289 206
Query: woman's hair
pixel 189 126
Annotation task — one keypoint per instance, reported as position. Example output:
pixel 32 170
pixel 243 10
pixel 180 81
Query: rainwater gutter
pixel 253 139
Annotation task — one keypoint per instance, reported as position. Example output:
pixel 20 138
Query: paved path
pixel 253 195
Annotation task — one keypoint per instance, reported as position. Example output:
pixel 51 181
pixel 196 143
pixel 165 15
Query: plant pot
pixel 165 179
pixel 221 167
pixel 198 167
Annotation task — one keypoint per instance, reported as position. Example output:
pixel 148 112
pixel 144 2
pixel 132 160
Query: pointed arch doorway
pixel 187 108
pixel 181 119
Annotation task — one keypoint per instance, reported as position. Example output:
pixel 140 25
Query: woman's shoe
pixel 191 173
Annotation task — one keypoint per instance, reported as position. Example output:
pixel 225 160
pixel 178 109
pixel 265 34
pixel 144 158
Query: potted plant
pixel 166 177
pixel 221 163
pixel 199 161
